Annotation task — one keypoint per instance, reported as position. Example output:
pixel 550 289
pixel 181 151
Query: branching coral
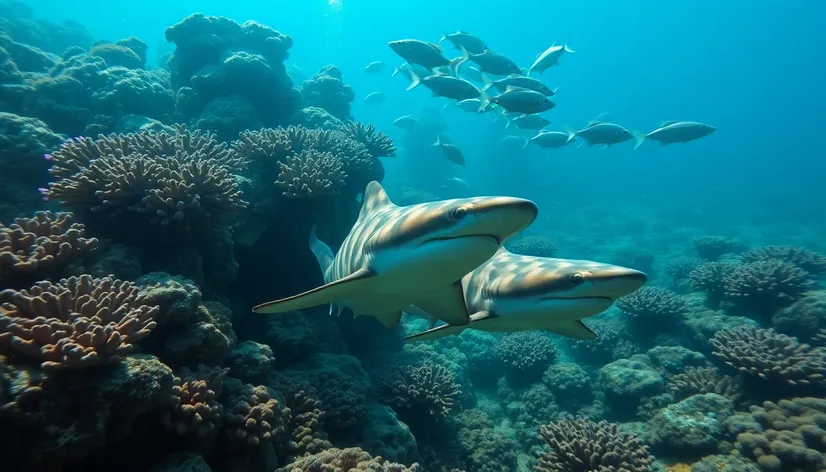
pixel 653 304
pixel 77 323
pixel 428 389
pixel 765 286
pixel 710 278
pixel 790 435
pixel 195 406
pixel 38 246
pixel 253 417
pixel 345 460
pixel 805 259
pixel 699 380
pixel 311 174
pixel 169 180
pixel 679 268
pixel 581 445
pixel 377 143
pixel 770 356
pixel 526 355
pixel 539 246
pixel 711 248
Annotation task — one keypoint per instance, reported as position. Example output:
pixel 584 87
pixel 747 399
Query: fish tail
pixel 415 80
pixel 555 91
pixel 484 101
pixel 443 38
pixel 438 140
pixel 457 62
pixel 507 121
pixel 571 134
pixel 639 138
pixel 395 71
pixel 487 81
pixel 566 46
pixel 525 142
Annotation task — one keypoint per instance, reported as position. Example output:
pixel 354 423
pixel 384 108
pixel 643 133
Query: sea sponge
pixel 377 143
pixel 526 355
pixel 711 248
pixel 580 445
pixel 539 246
pixel 770 356
pixel 40 246
pixel 195 407
pixel 805 259
pixel 311 174
pixel 253 417
pixel 77 323
pixel 763 287
pixel 699 380
pixel 345 460
pixel 416 391
pixel 790 436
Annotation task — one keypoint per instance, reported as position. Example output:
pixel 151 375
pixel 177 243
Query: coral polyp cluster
pixel 194 402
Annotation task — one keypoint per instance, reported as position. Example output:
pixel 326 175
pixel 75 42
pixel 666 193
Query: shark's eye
pixel 577 278
pixel 458 213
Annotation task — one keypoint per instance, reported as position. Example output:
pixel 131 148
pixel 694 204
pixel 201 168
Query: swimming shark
pixel 396 256
pixel 512 292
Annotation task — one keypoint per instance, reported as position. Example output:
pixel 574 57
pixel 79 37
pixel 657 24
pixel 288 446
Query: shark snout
pixel 503 217
pixel 619 281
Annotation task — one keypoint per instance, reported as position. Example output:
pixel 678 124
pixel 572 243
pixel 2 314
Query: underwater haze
pixel 420 236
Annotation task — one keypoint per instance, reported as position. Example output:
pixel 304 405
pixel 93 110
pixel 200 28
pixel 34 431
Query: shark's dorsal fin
pixel 447 304
pixel 576 330
pixel 374 198
pixel 339 290
pixel 390 320
pixel 323 254
pixel 666 123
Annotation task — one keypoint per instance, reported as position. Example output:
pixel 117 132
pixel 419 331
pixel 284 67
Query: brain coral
pixel 791 435
pixel 581 445
pixel 77 323
pixel 805 259
pixel 770 356
pixel 40 246
pixel 539 246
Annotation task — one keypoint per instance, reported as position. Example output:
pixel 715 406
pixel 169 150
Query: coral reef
pixel 652 310
pixel 326 90
pixel 377 143
pixel 693 426
pixel 417 391
pixel 679 268
pixel 763 287
pixel 711 279
pixel 770 356
pixel 804 259
pixel 306 425
pixel 79 322
pixel 41 246
pixel 526 355
pixel 345 460
pixel 701 380
pixel 581 445
pixel 803 318
pixel 538 246
pixel 311 174
pixel 482 448
pixel 194 401
pixel 712 248
pixel 253 417
pixel 627 382
pixel 789 435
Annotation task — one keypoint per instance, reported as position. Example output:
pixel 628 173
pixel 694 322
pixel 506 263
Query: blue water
pixel 753 70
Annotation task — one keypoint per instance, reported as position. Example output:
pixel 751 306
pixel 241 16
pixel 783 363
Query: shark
pixel 512 292
pixel 396 256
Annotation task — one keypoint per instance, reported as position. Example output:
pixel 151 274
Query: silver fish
pixel 462 39
pixel 427 55
pixel 451 152
pixel 550 57
pixel 521 100
pixel 671 132
pixel 406 68
pixel 494 63
pixel 534 122
pixel 446 86
pixel 608 134
pixel 374 67
pixel 553 139
pixel 375 97
pixel 406 122
pixel 521 81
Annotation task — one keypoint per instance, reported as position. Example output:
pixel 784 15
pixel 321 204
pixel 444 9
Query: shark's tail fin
pixel 435 333
pixel 323 254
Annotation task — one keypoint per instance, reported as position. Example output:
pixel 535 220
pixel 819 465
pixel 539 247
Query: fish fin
pixel 396 70
pixel 639 138
pixel 526 142
pixel 336 308
pixel 375 198
pixel 508 122
pixel 390 320
pixel 339 290
pixel 554 91
pixel 443 38
pixel 484 101
pixel 322 252
pixel 457 62
pixel 575 330
pixel 415 80
pixel 566 47
pixel 435 333
pixel 594 123
pixel 447 304
pixel 431 322
pixel 571 134
pixel 666 123
pixel 438 142
pixel 488 83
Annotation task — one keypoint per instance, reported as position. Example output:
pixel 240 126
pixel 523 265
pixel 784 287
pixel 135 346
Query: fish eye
pixel 576 279
pixel 458 213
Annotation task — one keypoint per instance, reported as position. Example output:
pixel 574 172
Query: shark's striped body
pixel 512 292
pixel 396 256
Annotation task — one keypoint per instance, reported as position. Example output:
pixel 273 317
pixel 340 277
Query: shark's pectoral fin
pixel 447 330
pixel 576 330
pixel 339 290
pixel 447 304
pixel 390 320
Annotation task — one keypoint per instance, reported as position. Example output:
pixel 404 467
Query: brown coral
pixel 580 445
pixel 195 406
pixel 770 356
pixel 79 322
pixel 428 389
pixel 377 143
pixel 805 259
pixel 254 417
pixel 345 460
pixel 791 437
pixel 311 174
pixel 700 380
pixel 763 287
pixel 306 425
pixel 37 246
pixel 679 268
